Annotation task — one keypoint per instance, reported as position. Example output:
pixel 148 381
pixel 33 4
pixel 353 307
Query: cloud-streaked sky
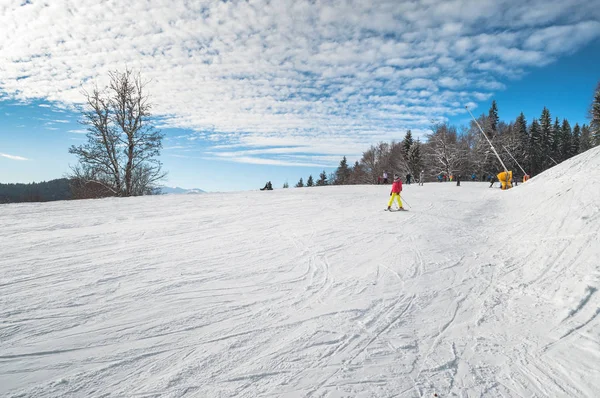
pixel 288 83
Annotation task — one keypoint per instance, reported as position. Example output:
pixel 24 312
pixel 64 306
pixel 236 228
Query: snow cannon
pixel 505 179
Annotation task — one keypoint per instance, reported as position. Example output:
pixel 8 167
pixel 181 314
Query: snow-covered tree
pixel 480 157
pixel 545 140
pixel 520 129
pixel 585 142
pixel 535 149
pixel 575 139
pixel 565 140
pixel 492 120
pixel 415 161
pixel 556 144
pixel 407 143
pixel 443 154
pixel 595 116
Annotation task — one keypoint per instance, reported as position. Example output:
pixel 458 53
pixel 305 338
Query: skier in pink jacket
pixel 395 194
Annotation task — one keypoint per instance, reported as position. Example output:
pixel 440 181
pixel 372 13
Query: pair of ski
pixel 395 210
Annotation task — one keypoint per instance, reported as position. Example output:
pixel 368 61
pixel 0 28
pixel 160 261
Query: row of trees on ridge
pixel 536 146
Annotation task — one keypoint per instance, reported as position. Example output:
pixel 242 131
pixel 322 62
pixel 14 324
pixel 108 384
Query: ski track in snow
pixel 309 292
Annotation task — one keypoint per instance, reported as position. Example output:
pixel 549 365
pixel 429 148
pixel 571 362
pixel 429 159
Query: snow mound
pixel 307 292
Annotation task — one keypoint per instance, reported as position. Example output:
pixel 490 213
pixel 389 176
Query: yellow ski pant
pixel 397 196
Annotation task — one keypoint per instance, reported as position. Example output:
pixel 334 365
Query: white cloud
pixel 271 162
pixel 324 76
pixel 566 38
pixel 421 83
pixel 12 157
pixel 471 105
pixel 452 82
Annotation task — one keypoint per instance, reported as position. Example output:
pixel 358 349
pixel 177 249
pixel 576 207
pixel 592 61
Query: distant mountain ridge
pixel 178 191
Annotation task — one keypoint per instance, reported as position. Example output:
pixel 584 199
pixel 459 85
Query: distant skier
pixel 421 178
pixel 473 177
pixel 408 178
pixel 458 177
pixel 385 177
pixel 395 194
pixel 493 180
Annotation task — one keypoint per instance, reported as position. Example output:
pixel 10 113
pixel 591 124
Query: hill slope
pixel 307 292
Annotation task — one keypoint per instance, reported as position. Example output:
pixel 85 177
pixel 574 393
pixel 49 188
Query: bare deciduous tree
pixel 445 156
pixel 122 149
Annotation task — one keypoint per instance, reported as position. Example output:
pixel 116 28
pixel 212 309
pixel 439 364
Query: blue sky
pixel 253 91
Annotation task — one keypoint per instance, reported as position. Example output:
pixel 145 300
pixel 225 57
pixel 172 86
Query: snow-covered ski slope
pixel 313 292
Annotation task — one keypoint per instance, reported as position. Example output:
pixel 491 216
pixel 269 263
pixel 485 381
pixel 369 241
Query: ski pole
pixel 404 201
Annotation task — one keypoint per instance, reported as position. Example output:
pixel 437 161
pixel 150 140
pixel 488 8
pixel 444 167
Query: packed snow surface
pixel 313 292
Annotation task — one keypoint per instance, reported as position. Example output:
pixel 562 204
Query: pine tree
pixel 407 143
pixel 522 137
pixel 300 183
pixel 535 150
pixel 585 141
pixel 543 150
pixel 286 185
pixel 415 161
pixel 493 119
pixel 310 182
pixel 555 142
pixel 322 179
pixel 342 174
pixel 575 139
pixel 595 113
pixel 566 140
